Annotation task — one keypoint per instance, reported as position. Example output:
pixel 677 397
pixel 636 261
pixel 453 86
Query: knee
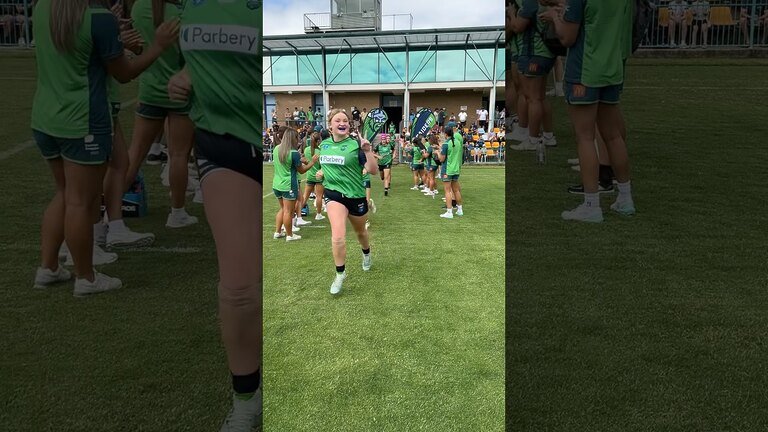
pixel 338 241
pixel 242 296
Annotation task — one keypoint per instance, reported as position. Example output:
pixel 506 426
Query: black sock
pixel 606 174
pixel 453 203
pixel 246 384
pixel 366 251
pixel 341 268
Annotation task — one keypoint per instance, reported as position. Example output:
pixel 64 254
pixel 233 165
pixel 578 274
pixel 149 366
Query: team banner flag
pixel 423 122
pixel 374 123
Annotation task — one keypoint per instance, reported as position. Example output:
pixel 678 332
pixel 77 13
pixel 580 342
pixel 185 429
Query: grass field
pixel 416 344
pixel 658 322
pixel 146 358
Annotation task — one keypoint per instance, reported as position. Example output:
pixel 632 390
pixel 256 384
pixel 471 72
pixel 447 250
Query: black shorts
pixel 356 206
pixel 700 23
pixel 215 152
pixel 383 167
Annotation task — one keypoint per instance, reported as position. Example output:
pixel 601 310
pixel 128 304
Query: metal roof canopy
pixel 452 37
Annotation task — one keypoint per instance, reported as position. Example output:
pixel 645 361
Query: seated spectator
pixel 677 11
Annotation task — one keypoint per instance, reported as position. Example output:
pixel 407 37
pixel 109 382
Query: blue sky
pixel 283 17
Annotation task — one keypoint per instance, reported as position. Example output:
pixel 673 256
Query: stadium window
pixel 388 74
pixel 421 66
pixel 365 68
pixel 450 65
pixel 284 70
pixel 479 64
pixel 339 70
pixel 267 75
pixel 310 69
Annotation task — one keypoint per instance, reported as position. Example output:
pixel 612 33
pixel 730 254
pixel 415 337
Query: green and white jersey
pixel 343 164
pixel 595 60
pixel 312 171
pixel 453 151
pixel 153 82
pixel 385 151
pixel 531 44
pixel 221 43
pixel 418 158
pixel 286 177
pixel 71 99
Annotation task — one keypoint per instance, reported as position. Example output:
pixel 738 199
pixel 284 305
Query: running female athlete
pixel 384 152
pixel 222 77
pixel 78 48
pixel 343 160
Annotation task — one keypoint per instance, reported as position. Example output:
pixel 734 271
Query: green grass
pixel 416 344
pixel 656 322
pixel 146 358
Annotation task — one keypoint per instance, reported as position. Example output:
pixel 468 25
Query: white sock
pixel 117 225
pixel 625 190
pixel 559 86
pixel 178 211
pixel 592 200
pixel 459 208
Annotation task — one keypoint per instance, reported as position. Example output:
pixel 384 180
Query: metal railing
pixel 720 24
pixel 325 22
pixel 16 23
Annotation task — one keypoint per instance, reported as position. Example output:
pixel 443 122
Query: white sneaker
pixel 198 196
pixel 367 262
pixel 336 285
pixel 100 284
pixel 180 219
pixel 293 237
pixel 576 168
pixel 319 216
pixel 583 213
pixel 100 257
pixel 573 161
pixel 525 145
pixel 100 233
pixel 279 235
pixel 165 174
pixel 415 188
pixel 296 229
pixel 373 207
pixel 459 212
pixel 624 207
pixel 551 92
pixel 550 142
pixel 45 278
pixel 301 222
pixel 125 238
pixel 518 135
pixel 448 214
pixel 245 415
pixel 192 185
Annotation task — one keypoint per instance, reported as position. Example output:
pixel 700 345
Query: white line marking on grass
pixel 269 194
pixel 25 145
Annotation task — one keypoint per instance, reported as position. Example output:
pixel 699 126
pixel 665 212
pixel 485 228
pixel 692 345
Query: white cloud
pixel 284 17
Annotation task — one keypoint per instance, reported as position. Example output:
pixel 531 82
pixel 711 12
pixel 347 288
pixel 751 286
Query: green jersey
pixel 153 83
pixel 343 164
pixel 595 60
pixel 311 174
pixel 453 151
pixel 417 156
pixel 385 151
pixel 531 43
pixel 286 178
pixel 71 99
pixel 310 116
pixel 221 43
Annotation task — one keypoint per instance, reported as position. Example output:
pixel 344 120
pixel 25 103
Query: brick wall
pixel 291 101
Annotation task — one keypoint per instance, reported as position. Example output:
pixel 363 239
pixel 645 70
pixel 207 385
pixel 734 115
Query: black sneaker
pixel 157 159
pixel 601 188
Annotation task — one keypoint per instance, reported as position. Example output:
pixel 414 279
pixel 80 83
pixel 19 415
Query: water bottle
pixel 541 152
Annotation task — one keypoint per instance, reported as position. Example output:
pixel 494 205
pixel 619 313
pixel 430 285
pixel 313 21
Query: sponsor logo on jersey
pixel 332 160
pixel 210 37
